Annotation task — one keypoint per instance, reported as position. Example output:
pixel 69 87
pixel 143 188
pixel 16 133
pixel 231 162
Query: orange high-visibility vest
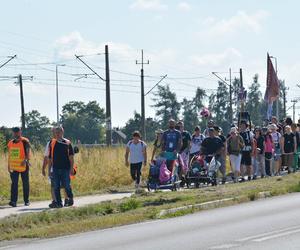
pixel 16 155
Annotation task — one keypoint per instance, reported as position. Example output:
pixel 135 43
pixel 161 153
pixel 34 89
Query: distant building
pixel 118 137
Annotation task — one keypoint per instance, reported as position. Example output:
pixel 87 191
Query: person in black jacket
pixel 288 148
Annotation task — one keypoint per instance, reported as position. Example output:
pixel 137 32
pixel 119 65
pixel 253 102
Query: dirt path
pixel 43 205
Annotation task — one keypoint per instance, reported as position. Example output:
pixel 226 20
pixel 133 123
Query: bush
pixel 130 204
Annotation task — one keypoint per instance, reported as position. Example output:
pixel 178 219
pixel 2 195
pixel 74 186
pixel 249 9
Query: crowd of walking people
pixel 250 151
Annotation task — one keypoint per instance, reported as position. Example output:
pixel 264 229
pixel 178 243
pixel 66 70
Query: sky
pixel 187 40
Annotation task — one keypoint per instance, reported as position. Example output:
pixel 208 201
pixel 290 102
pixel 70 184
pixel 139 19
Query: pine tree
pixel 166 104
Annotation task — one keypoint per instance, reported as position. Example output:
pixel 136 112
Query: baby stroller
pixel 200 171
pixel 163 173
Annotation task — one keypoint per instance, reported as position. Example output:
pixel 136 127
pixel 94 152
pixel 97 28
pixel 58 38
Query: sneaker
pixel 27 204
pixel 66 202
pixel 249 178
pixel 12 204
pixel 223 181
pixel 242 179
pixel 69 202
pixel 55 205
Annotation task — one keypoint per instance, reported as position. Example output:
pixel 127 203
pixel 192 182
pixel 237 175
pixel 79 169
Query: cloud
pixel 150 5
pixel 73 43
pixel 184 6
pixel 227 56
pixel 240 22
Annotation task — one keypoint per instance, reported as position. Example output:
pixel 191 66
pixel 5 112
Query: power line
pixel 10 58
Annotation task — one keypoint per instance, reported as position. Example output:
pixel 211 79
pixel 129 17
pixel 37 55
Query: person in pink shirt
pixel 269 150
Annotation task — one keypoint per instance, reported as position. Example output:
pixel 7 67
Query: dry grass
pixel 99 169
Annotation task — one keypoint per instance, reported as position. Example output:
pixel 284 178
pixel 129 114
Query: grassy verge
pixel 145 206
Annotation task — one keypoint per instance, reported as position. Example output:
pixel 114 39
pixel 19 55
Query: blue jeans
pixel 61 178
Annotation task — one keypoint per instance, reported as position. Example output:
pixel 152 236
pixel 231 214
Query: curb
pixel 205 205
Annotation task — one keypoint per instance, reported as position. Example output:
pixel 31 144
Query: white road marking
pixel 267 234
pixel 277 235
pixel 225 246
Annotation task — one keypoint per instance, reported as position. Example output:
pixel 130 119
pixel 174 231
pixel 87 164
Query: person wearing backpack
pixel 288 148
pixel 246 162
pixel 18 164
pixel 269 150
pixel 235 144
pixel 135 157
pixel 296 155
pixel 61 157
pixel 276 136
pixel 258 154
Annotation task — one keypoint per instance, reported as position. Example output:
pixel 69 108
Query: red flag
pixel 272 90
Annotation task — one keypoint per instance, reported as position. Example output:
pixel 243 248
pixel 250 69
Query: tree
pixel 134 124
pixel 191 109
pixel 219 106
pixel 282 88
pixel 37 128
pixel 83 122
pixel 166 104
pixel 255 103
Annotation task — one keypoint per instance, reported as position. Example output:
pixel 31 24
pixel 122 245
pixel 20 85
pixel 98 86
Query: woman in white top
pixel 197 139
pixel 136 149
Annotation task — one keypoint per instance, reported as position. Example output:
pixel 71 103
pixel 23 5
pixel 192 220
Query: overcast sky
pixel 185 39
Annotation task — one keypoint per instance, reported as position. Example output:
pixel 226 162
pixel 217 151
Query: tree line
pixel 85 122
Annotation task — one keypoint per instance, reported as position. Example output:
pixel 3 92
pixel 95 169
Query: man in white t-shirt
pixel 136 151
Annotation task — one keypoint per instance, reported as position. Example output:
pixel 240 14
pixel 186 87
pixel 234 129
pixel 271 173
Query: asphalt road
pixel 265 224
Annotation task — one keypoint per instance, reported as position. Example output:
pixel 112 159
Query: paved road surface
pixel 265 224
pixel 43 205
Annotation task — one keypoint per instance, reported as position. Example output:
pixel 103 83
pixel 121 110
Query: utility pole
pixel 107 81
pixel 294 108
pixel 57 103
pixel 143 122
pixel 284 99
pixel 242 89
pixel 22 102
pixel 230 92
pixel 230 96
pixel 108 104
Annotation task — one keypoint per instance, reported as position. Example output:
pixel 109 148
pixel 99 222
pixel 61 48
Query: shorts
pixel 277 154
pixel 246 158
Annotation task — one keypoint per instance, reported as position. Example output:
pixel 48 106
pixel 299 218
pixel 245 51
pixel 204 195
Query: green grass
pixel 138 208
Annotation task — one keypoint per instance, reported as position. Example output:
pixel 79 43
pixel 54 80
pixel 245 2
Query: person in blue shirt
pixel 171 139
pixel 171 143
